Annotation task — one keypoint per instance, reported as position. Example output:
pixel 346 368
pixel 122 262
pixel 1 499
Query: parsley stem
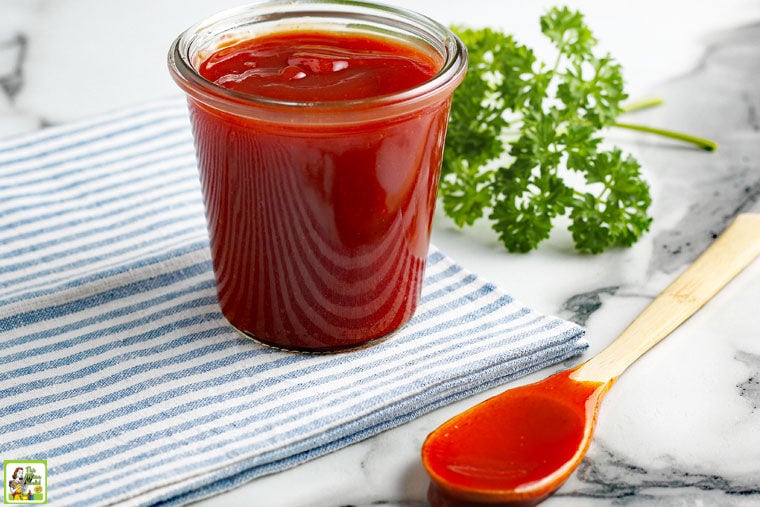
pixel 642 104
pixel 700 142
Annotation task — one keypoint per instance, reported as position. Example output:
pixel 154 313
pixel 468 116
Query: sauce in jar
pixel 318 66
pixel 319 231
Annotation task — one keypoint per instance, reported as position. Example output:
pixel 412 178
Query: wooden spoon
pixel 518 447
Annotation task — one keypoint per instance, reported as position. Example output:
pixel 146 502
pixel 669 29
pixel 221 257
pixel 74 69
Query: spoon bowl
pixel 515 447
pixel 518 447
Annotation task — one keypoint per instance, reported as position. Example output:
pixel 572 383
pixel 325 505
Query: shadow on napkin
pixel 119 369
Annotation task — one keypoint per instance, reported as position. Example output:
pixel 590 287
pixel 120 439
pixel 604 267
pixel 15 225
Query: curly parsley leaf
pixel 616 216
pixel 496 83
pixel 520 127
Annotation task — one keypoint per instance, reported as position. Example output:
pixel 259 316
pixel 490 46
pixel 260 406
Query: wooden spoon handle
pixel 734 250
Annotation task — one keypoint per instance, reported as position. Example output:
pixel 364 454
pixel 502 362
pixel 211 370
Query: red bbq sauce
pixel 318 67
pixel 319 232
pixel 521 439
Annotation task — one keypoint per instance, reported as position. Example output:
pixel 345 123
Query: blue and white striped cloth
pixel 117 367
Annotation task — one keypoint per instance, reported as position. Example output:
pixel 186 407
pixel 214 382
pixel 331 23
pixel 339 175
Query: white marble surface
pixel 682 426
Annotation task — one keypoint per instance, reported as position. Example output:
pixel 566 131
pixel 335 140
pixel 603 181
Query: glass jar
pixel 319 211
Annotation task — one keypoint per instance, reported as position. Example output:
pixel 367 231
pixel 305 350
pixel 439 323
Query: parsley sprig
pixel 525 147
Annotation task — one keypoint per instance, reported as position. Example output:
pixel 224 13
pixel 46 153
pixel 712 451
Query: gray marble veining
pixel 750 389
pixel 605 475
pixel 579 307
pixel 12 55
pixel 722 98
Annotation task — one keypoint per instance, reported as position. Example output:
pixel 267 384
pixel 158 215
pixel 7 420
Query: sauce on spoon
pixel 518 447
pixel 522 441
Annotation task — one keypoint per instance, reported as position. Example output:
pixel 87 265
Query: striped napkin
pixel 119 370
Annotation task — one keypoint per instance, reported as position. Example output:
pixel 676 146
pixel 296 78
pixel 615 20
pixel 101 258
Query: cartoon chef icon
pixel 17 483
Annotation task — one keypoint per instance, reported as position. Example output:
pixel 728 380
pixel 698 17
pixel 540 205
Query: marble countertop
pixel 681 426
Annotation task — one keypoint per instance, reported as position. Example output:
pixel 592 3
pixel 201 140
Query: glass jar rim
pixel 451 49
